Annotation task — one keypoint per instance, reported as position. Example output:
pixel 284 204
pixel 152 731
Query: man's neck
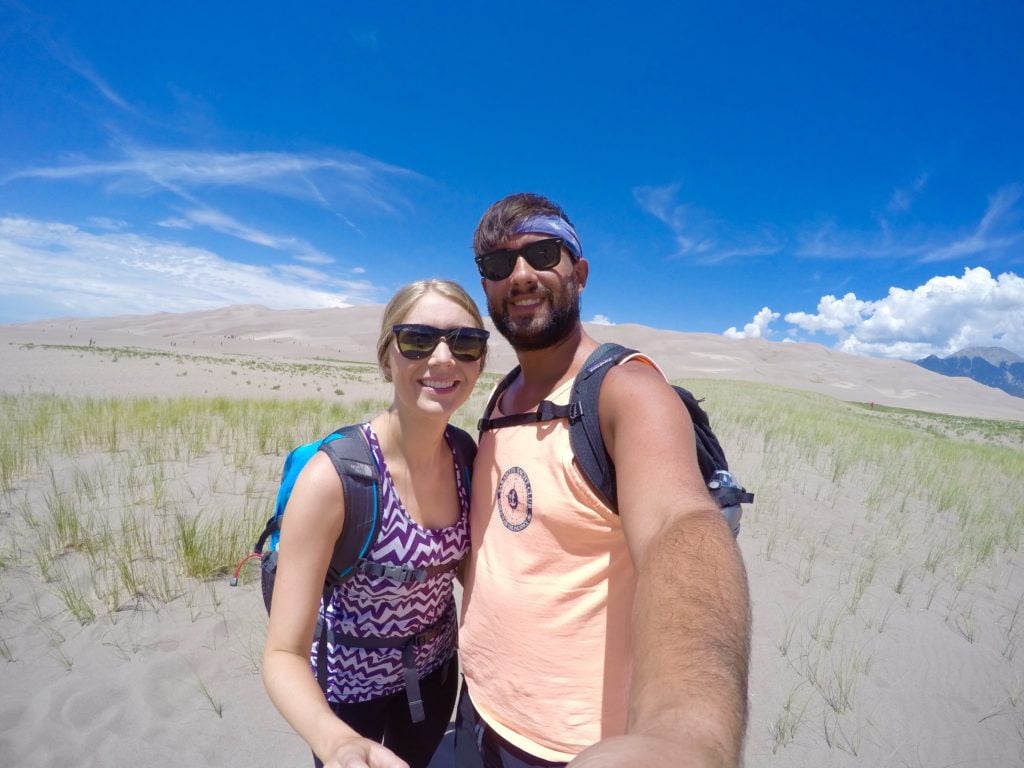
pixel 544 370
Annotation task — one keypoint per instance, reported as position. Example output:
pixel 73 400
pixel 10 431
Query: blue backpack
pixel 588 445
pixel 351 456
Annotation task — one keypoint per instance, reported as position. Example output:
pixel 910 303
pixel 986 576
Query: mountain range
pixel 991 366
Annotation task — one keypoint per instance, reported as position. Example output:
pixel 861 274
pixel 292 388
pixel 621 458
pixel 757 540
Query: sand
pixel 930 673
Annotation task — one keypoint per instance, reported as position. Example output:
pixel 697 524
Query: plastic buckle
pixel 417 711
pixel 575 412
pixel 396 572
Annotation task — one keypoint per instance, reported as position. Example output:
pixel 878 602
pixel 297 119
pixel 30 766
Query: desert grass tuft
pixel 215 705
pixel 115 471
pixel 783 728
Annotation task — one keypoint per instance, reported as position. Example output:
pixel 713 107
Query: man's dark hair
pixel 499 221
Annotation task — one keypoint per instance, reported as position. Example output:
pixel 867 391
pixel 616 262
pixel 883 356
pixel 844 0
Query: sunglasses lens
pixel 543 254
pixel 416 343
pixel 496 265
pixel 468 345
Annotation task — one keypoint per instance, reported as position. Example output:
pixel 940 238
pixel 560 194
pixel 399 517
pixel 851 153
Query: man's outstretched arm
pixel 691 615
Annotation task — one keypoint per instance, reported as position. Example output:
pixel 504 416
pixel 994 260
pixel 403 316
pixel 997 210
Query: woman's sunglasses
pixel 542 254
pixel 416 341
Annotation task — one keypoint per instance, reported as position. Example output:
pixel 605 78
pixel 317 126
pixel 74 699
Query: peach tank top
pixel 545 638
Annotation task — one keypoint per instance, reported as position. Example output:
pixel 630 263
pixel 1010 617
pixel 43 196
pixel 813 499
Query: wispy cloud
pixel 998 230
pixel 902 198
pixel 221 222
pixel 367 38
pixel 85 70
pixel 317 178
pixel 698 235
pixel 60 269
pixel 334 182
pixel 37 27
pixel 706 239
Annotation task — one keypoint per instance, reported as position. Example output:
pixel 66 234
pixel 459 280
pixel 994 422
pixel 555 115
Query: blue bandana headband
pixel 555 226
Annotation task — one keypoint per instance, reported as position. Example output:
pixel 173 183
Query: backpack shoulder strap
pixel 486 422
pixel 546 410
pixel 465 451
pixel 585 426
pixel 351 456
pixel 588 445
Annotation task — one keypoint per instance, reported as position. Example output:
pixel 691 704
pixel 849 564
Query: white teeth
pixel 528 302
pixel 438 383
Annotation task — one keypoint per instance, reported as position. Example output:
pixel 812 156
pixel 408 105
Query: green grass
pixel 113 482
pixel 966 471
pixel 122 500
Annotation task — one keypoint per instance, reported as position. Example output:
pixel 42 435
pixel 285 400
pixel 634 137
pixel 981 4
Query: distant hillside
pixel 991 366
pixel 278 353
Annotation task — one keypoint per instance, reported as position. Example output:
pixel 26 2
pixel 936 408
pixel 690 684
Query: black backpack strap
pixel 585 430
pixel 546 410
pixel 408 644
pixel 403 573
pixel 351 456
pixel 486 422
pixel 465 452
pixel 588 445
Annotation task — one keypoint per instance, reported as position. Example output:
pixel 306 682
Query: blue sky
pixel 850 173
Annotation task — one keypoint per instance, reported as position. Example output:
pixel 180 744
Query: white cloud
pixel 757 328
pixel 942 316
pixel 58 269
pixel 833 314
pixel 601 320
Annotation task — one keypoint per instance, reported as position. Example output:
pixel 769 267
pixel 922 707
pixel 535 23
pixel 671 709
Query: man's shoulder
pixel 636 370
pixel 637 386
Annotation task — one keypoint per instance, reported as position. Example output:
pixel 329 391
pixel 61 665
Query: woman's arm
pixel 310 527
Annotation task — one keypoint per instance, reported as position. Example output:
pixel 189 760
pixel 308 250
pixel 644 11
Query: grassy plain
pixel 883 549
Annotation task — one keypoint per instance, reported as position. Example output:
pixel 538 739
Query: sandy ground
pixel 844 673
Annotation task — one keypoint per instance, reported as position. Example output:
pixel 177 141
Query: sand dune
pixel 244 333
pixel 875 642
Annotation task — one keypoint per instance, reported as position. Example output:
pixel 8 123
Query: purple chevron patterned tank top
pixel 368 606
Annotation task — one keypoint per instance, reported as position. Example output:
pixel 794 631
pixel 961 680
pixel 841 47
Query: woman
pixel 432 348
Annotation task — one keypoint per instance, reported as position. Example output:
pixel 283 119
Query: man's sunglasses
pixel 416 342
pixel 542 254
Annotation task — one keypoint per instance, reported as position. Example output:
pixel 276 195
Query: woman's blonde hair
pixel 405 299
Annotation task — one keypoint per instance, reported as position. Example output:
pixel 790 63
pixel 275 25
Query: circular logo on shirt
pixel 515 499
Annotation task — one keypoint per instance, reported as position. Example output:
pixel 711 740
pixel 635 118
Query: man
pixel 587 636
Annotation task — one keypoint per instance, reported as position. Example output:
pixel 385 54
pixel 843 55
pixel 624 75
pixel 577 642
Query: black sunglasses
pixel 416 341
pixel 542 254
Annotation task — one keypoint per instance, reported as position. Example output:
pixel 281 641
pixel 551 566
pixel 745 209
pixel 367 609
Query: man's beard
pixel 563 318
